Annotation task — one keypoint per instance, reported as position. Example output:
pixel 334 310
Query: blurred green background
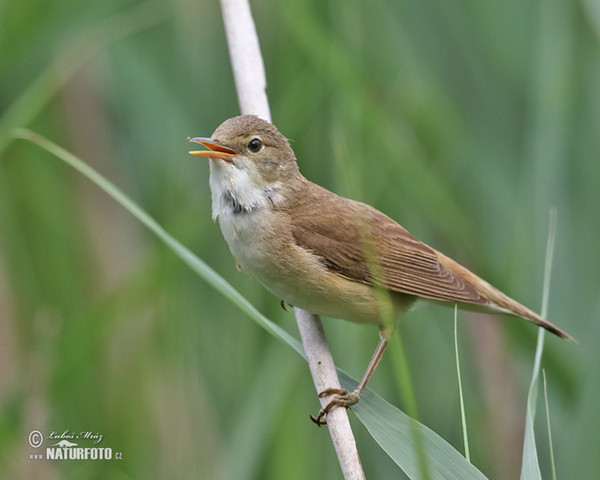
pixel 465 121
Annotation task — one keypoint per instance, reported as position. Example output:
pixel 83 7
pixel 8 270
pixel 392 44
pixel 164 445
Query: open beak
pixel 215 150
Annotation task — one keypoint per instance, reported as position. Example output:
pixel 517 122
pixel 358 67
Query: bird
pixel 327 254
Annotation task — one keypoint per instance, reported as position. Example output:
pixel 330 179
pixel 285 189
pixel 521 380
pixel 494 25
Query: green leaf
pixel 402 437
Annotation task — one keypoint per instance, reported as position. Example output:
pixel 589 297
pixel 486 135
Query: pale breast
pixel 245 234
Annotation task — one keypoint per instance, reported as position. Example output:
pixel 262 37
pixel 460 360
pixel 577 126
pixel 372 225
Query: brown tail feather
pixel 515 308
pixel 510 306
pixel 498 301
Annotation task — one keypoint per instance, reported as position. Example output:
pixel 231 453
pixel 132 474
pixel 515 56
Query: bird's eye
pixel 255 145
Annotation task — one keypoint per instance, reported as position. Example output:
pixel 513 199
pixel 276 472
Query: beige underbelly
pixel 309 285
pixel 299 277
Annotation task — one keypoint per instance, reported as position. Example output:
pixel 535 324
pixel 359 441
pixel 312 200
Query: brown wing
pixel 366 246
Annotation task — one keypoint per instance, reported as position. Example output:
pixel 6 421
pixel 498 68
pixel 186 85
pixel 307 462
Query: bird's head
pixel 252 145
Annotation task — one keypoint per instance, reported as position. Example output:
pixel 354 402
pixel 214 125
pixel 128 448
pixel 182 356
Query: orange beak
pixel 215 150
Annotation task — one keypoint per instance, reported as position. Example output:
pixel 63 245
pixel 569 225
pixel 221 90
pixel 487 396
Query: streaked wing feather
pixel 400 261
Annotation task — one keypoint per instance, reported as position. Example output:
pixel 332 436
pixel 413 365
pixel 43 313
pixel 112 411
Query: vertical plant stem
pixel 530 468
pixel 246 60
pixel 322 369
pixel 250 82
pixel 553 464
pixel 463 416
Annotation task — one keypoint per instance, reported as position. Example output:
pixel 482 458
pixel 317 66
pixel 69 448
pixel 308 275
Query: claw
pixel 342 398
pixel 319 420
pixel 282 303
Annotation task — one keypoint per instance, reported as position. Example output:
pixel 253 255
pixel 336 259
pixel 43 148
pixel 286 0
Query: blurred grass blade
pixel 530 468
pixel 258 417
pixel 191 260
pixel 39 92
pixel 592 10
pixel 407 391
pixel 463 416
pixel 392 429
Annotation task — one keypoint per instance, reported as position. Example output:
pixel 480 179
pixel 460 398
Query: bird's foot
pixel 341 398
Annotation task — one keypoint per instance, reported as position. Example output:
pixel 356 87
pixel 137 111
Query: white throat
pixel 234 191
pixel 241 201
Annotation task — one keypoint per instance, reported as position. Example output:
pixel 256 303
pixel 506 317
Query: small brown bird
pixel 324 253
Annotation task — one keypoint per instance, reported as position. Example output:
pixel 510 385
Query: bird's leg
pixel 343 398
